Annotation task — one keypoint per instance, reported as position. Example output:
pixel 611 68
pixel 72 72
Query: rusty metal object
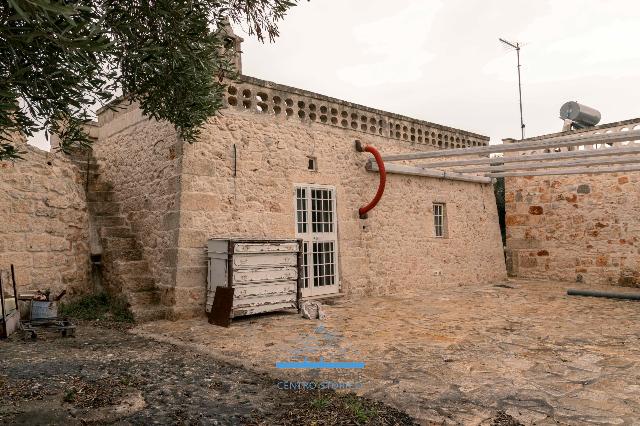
pixel 58 325
pixel 58 297
pixel 222 305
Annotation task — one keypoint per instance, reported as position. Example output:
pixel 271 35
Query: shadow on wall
pixel 498 189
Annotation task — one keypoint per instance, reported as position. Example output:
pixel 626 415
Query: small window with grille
pixel 439 220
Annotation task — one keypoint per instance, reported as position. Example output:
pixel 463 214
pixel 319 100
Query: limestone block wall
pixel 44 224
pixel 583 228
pixel 239 180
pixel 140 160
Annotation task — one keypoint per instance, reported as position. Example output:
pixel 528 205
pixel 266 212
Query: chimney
pixel 232 44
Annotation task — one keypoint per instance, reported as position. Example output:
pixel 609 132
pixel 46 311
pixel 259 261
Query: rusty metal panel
pixel 221 311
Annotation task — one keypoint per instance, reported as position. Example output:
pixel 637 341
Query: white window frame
pixel 309 237
pixel 439 211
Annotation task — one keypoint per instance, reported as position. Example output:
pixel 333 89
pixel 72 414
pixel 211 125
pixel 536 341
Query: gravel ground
pixel 107 375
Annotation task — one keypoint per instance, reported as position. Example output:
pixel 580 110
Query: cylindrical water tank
pixel 579 113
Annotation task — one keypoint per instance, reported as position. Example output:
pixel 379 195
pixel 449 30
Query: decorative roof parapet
pixel 265 97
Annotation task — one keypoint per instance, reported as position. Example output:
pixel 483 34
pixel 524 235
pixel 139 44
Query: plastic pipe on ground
pixel 591 293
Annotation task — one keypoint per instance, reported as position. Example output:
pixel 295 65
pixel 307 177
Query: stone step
pixel 131 267
pixel 108 221
pixel 138 299
pixel 81 158
pixel 99 208
pixel 100 186
pixel 101 196
pixel 84 166
pixel 148 313
pixel 93 175
pixel 117 244
pixel 128 255
pixel 137 283
pixel 115 231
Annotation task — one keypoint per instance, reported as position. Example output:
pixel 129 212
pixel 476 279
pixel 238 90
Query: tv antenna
pixel 516 46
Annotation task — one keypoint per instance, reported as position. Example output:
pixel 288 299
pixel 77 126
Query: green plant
pixel 70 395
pixel 97 307
pixel 61 58
pixel 360 412
pixel 321 402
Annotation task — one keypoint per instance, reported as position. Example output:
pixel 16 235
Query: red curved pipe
pixel 383 180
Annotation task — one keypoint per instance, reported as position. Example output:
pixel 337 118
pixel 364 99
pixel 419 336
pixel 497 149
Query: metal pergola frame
pixel 582 158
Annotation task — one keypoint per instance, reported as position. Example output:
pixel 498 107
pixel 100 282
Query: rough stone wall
pixel 44 224
pixel 393 251
pixel 583 228
pixel 140 160
pixel 177 196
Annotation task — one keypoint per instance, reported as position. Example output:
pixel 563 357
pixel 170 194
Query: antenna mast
pixel 516 46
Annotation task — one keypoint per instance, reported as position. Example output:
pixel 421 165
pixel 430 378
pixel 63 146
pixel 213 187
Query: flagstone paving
pixel 454 355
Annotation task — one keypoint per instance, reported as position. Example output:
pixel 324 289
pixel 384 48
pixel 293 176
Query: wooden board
pixel 266 300
pixel 222 306
pixel 265 259
pixel 264 308
pixel 265 247
pixel 264 274
pixel 262 289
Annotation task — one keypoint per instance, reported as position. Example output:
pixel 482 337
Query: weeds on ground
pixel 70 395
pixel 97 307
pixel 361 413
pixel 320 402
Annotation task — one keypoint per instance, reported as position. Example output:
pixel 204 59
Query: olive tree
pixel 59 59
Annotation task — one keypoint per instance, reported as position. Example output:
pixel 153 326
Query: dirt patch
pixel 329 408
pixel 503 419
pixel 106 375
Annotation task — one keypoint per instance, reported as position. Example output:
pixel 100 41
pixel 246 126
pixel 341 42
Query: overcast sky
pixel 441 61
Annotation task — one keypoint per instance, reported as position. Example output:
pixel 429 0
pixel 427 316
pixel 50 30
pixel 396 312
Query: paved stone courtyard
pixel 454 354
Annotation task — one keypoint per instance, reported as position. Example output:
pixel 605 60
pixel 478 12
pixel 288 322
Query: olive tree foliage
pixel 59 59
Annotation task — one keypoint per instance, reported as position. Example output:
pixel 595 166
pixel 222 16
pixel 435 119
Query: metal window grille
pixel 323 264
pixel 438 219
pixel 301 210
pixel 321 210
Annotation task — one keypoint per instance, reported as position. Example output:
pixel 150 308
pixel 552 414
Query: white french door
pixel 316 225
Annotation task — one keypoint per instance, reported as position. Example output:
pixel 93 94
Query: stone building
pixel 578 228
pixel 280 162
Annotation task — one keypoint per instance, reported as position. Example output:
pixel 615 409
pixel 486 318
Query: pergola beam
pixel 418 171
pixel 580 171
pixel 535 157
pixel 565 141
pixel 550 165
